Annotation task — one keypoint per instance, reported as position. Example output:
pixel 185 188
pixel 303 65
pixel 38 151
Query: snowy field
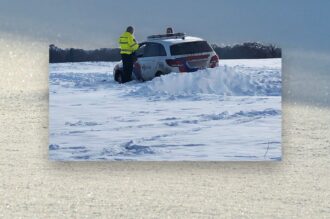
pixel 232 112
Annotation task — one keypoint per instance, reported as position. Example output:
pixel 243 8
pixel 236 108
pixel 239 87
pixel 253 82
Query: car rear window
pixel 190 48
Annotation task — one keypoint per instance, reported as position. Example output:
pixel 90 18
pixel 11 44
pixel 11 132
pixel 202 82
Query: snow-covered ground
pixel 232 112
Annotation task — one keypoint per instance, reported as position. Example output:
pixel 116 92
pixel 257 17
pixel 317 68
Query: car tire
pixel 159 73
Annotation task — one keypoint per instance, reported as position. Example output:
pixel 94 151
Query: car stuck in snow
pixel 166 53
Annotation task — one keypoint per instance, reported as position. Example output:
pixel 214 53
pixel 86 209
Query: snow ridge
pixel 223 80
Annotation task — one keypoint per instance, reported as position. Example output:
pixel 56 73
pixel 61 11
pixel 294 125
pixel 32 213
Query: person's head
pixel 169 30
pixel 130 29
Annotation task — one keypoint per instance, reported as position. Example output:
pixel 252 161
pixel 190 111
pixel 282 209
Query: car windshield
pixel 190 48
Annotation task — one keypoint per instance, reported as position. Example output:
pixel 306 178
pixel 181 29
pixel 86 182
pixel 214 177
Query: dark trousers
pixel 127 67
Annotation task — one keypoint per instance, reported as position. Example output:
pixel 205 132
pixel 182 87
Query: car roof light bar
pixel 167 36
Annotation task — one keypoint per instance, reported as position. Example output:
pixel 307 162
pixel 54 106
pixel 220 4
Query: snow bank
pixel 224 80
pixel 232 78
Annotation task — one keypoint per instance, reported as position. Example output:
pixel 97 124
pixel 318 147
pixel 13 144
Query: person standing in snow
pixel 128 46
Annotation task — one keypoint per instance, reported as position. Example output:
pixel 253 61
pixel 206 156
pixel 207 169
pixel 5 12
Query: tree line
pixel 249 50
pixel 57 55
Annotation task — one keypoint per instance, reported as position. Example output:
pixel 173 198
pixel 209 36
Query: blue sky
pixel 91 24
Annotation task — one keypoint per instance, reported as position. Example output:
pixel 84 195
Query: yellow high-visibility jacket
pixel 127 43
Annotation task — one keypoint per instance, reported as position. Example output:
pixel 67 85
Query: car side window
pixel 161 50
pixel 154 49
pixel 141 50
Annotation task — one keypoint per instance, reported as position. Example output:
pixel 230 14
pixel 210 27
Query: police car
pixel 166 53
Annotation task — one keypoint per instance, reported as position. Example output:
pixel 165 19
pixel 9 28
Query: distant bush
pixel 57 55
pixel 239 51
pixel 248 51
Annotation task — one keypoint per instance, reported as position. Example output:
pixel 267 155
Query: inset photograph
pixel 172 96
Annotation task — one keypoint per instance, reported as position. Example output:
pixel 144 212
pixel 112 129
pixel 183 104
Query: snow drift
pixel 223 80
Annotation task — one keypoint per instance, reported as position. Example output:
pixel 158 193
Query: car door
pixel 147 61
pixel 152 59
pixel 137 70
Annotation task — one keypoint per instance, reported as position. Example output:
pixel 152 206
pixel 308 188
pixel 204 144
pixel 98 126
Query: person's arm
pixel 133 44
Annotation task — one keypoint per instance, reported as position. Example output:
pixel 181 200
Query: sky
pixel 290 24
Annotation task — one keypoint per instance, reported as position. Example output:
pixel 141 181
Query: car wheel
pixel 159 73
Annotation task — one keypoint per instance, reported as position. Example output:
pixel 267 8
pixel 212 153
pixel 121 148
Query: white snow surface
pixel 232 112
